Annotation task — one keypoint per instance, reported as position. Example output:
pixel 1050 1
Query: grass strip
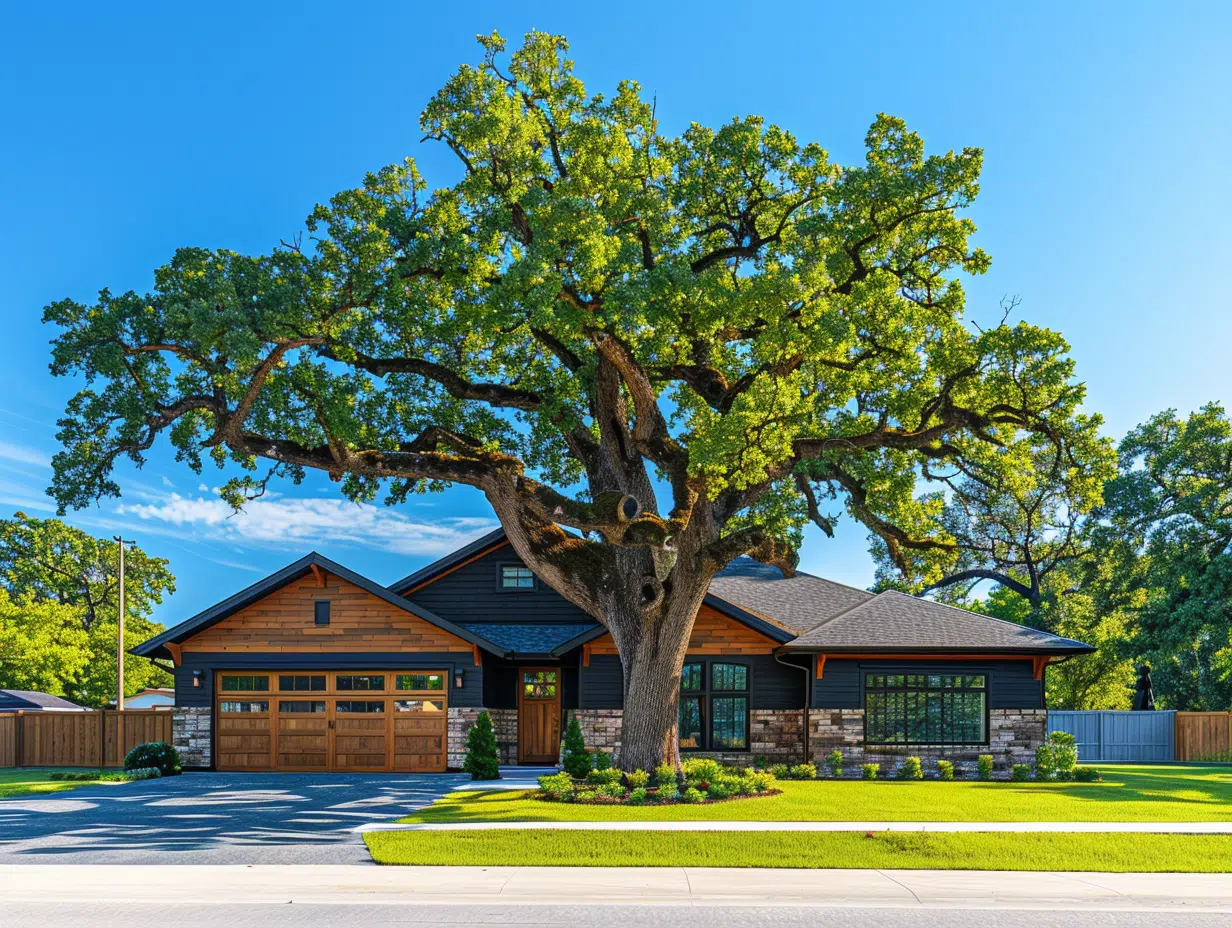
pixel 1105 852
pixel 1128 794
pixel 33 781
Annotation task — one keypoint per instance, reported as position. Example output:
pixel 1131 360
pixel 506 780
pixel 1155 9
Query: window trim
pixel 707 693
pixel 515 565
pixel 986 690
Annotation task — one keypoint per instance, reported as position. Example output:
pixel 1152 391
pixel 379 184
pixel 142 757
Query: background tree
pixel 651 354
pixel 1169 514
pixel 59 615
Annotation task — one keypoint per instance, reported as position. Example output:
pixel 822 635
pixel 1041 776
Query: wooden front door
pixel 538 715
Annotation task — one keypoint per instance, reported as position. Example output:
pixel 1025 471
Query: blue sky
pixel 1105 200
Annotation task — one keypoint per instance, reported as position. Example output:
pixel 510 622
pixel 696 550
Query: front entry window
pixel 539 684
pixel 714 707
pixel 925 708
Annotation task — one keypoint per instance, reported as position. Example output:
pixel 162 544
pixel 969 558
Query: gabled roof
pixel 289 574
pixel 525 639
pixel 491 540
pixel 796 603
pixel 12 700
pixel 896 622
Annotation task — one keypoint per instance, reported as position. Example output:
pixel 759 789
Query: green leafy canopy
pixel 594 306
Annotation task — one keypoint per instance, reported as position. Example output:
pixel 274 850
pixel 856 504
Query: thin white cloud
pixel 23 454
pixel 304 523
pixel 167 482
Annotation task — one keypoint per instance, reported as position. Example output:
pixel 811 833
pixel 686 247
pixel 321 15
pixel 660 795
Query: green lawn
pixel 26 781
pixel 977 851
pixel 1128 794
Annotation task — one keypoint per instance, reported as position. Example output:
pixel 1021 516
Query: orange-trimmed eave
pixel 713 634
pixel 1038 661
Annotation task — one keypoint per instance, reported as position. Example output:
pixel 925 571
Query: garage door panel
pixel 345 720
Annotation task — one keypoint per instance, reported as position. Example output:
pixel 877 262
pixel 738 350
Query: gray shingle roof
pixel 797 603
pixel 894 621
pixel 31 699
pixel 528 639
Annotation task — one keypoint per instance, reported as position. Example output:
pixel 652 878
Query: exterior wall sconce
pixel 457 679
pixel 196 678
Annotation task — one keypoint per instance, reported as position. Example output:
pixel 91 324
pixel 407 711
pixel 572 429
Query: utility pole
pixel 120 634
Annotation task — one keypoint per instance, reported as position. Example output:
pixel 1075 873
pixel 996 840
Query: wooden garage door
pixel 332 721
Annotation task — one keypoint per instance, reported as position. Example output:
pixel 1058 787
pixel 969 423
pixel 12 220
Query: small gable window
pixel 516 577
pixel 320 613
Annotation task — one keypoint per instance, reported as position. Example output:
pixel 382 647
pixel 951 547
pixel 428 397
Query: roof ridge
pixel 982 615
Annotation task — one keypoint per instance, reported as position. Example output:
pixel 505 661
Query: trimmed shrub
pixel 665 776
pixel 638 779
pixel 157 754
pixel 603 760
pixel 638 795
pixel 575 758
pixel 945 770
pixel 558 786
pixel 803 772
pixel 834 763
pixel 870 771
pixel 142 773
pixel 1020 772
pixel 482 756
pixel 604 777
pixel 1087 775
pixel 1057 757
pixel 667 793
pixel 779 771
pixel 761 782
pixel 717 791
pixel 911 769
pixel 984 765
pixel 700 769
pixel 611 791
pixel 760 761
pixel 585 795
pixel 692 794
pixel 82 776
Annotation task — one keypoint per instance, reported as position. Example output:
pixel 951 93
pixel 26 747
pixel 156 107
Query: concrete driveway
pixel 221 818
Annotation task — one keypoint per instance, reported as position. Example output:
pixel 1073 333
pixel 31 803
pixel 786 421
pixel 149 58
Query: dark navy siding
pixel 472 594
pixel 773 685
pixel 1010 683
pixel 601 685
pixel 471 693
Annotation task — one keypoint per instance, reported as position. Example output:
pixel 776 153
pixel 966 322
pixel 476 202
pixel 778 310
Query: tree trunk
pixel 652 649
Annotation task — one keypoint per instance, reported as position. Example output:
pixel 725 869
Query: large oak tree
pixel 651 353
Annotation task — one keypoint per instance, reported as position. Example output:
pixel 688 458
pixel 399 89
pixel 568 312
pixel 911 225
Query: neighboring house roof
pixel 796 603
pixel 896 622
pixel 26 700
pixel 289 574
pixel 491 540
pixel 523 638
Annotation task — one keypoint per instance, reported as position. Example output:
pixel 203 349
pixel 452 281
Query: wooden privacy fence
pixel 92 738
pixel 1204 736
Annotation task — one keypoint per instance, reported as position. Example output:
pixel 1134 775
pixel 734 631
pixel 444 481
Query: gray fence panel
pixel 1105 735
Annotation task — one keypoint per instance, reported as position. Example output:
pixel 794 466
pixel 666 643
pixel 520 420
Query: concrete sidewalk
pixel 216 885
pixel 1151 828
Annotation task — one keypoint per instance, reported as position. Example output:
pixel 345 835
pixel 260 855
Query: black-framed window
pixel 320 612
pixel 302 705
pixel 714 706
pixel 368 706
pixel 516 577
pixel 419 681
pixel 926 708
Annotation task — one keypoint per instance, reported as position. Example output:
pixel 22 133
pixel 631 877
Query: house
pixel 152 697
pixel 316 667
pixel 34 701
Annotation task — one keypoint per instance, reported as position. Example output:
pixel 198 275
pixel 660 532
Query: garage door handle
pixel 331 724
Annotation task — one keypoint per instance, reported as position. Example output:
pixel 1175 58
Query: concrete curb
pixel 1146 828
